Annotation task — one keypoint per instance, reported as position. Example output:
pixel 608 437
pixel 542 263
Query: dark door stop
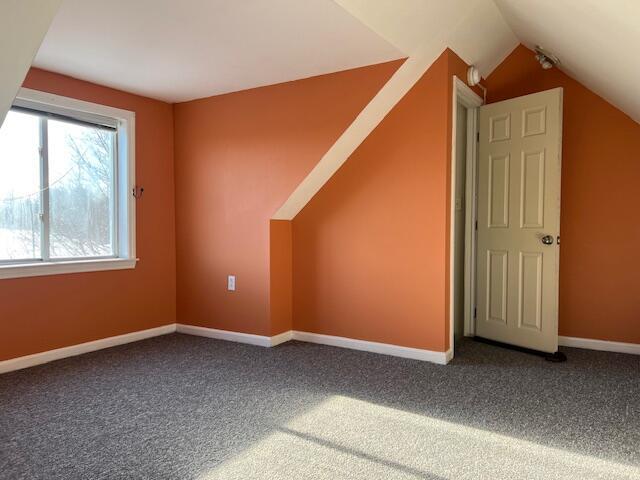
pixel 555 357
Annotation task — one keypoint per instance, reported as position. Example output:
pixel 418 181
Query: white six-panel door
pixel 519 220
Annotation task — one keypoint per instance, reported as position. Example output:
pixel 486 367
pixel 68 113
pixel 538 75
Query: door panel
pixel 518 205
pixel 497 267
pixel 530 291
pixel 532 190
pixel 498 191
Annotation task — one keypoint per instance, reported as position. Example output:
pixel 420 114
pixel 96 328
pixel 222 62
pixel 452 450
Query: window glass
pixel 20 192
pixel 81 190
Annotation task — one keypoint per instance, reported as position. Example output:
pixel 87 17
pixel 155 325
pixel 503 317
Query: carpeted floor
pixel 182 407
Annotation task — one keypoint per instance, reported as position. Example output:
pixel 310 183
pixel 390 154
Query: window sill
pixel 72 266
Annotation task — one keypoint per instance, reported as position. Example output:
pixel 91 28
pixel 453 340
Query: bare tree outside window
pixel 20 207
pixel 82 200
pixel 81 189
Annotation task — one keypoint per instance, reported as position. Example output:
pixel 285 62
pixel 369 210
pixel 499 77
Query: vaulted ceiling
pixel 597 41
pixel 180 50
pixel 474 29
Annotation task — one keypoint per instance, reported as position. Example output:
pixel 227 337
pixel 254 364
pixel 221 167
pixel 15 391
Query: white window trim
pixel 126 219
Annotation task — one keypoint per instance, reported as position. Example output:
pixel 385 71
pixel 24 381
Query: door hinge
pixel 476 225
pixel 477 136
pixel 475 312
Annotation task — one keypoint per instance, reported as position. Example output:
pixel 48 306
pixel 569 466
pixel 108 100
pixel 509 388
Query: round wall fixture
pixel 473 76
pixel 547 59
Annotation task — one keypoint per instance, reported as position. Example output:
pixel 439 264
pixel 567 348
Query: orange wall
pixel 238 157
pixel 43 313
pixel 281 276
pixel 600 259
pixel 368 257
pixel 370 251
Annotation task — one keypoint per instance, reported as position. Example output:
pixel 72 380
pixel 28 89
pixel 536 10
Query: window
pixel 66 182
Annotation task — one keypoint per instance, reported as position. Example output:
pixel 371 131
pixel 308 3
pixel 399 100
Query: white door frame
pixel 463 94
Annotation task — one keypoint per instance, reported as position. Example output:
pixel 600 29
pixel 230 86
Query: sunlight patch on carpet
pixel 352 439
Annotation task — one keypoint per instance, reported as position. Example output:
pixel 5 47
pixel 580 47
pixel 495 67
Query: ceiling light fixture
pixel 547 59
pixel 473 80
pixel 473 76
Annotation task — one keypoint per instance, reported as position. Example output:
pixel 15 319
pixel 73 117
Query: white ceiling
pixel 474 29
pixel 23 24
pixel 597 41
pixel 180 50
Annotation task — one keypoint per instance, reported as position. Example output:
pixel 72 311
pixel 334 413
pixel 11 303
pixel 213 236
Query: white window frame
pixel 125 183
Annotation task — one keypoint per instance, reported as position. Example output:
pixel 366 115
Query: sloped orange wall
pixel 370 251
pixel 44 313
pixel 600 258
pixel 238 157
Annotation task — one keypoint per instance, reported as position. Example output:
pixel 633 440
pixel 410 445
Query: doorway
pixel 505 219
pixel 463 210
pixel 459 221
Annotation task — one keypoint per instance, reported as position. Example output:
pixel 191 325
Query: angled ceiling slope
pixel 23 25
pixel 423 33
pixel 181 50
pixel 474 29
pixel 597 42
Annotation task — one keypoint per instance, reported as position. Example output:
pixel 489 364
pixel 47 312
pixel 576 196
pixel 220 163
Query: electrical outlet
pixel 231 283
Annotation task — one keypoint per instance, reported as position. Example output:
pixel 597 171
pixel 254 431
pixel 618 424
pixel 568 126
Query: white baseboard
pixel 384 348
pixel 281 338
pixel 264 341
pixel 73 350
pixel 259 340
pixel 441 358
pixel 603 345
pixel 251 339
pixel 448 355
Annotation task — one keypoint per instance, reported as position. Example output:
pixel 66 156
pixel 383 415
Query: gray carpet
pixel 182 407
